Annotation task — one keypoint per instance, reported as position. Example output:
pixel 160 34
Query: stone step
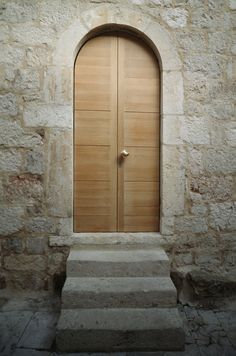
pixel 117 261
pixel 110 330
pixel 116 292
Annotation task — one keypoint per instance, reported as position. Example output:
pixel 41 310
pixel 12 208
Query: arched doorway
pixel 116 136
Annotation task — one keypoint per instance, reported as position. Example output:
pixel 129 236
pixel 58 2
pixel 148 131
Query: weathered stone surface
pixel 220 160
pixel 57 87
pixel 232 5
pixel 175 18
pixel 195 130
pixel 191 224
pixel 11 55
pixel 36 115
pixel 231 133
pixel 41 225
pixel 24 262
pixel 27 79
pixel 59 179
pixel 124 292
pixel 210 284
pixel 35 161
pixel 10 160
pixel 11 220
pixel 19 11
pixel 28 34
pixel 24 188
pixel 115 329
pixel 212 188
pixel 36 245
pixel 13 135
pixel 39 333
pixel 4 33
pixel 14 245
pixel 117 262
pixel 38 56
pixel 207 64
pixel 223 216
pixel 8 104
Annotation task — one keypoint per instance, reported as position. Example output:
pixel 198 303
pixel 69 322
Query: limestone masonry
pixel 196 40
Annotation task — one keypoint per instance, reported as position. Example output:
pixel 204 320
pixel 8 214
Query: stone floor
pixel 28 322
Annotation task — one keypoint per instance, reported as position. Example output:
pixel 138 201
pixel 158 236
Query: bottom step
pixel 110 330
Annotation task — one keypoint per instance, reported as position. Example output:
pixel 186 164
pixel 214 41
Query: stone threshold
pixel 145 238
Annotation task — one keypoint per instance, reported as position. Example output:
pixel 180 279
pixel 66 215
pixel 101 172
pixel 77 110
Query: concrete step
pixel 110 330
pixel 117 261
pixel 118 292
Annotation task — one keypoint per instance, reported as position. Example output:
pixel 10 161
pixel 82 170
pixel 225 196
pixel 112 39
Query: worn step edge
pixel 121 329
pixel 118 292
pixel 117 262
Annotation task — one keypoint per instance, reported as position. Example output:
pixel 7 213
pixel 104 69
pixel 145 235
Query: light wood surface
pixel 116 108
pixel 95 136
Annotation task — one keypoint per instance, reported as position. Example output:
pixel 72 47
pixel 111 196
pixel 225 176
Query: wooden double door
pixel 116 136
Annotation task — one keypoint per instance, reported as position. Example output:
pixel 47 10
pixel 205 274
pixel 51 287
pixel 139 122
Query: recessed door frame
pixel 97 21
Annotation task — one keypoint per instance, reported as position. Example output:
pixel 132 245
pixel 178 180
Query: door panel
pixel 93 128
pixel 138 133
pixel 141 129
pixel 95 137
pixel 116 108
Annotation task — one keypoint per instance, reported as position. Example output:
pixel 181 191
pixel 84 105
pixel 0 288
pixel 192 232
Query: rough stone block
pixel 209 64
pixel 14 245
pixel 35 161
pixel 10 160
pixel 223 216
pixel 220 160
pixel 12 55
pixel 27 79
pixel 232 4
pixel 41 225
pixel 24 189
pixel 48 115
pixel 4 33
pixel 231 133
pixel 117 262
pixel 171 129
pixel 19 11
pixel 8 104
pixel 120 329
pixel 11 220
pixel 213 187
pixel 36 245
pixel 28 34
pixel 13 135
pixel 57 85
pixel 175 18
pixel 24 263
pixel 199 210
pixel 59 179
pixel 195 130
pixel 38 56
pixel 115 292
pixel 191 224
pixel 172 93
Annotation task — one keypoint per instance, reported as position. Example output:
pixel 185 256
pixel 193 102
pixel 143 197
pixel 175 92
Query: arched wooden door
pixel 117 109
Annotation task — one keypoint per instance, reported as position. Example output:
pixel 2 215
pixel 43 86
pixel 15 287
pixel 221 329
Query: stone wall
pixel 36 135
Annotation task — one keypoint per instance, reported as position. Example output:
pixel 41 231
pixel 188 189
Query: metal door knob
pixel 124 153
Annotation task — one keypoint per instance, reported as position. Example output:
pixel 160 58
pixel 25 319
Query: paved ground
pixel 27 328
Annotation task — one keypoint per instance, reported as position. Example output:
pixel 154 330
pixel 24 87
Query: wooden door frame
pixel 92 23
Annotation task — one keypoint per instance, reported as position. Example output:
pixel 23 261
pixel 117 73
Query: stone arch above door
pixel 105 18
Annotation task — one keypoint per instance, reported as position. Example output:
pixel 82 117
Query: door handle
pixel 124 153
